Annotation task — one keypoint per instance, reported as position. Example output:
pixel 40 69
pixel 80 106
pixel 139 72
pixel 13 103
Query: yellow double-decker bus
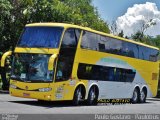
pixel 58 61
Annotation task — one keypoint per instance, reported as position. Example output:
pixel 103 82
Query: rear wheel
pixel 77 96
pixel 143 96
pixel 135 96
pixel 92 96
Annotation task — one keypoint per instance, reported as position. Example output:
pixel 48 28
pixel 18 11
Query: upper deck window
pixel 44 37
pixel 93 41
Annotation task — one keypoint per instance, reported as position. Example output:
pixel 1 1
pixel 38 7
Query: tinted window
pixel 113 46
pixel 148 53
pixel 153 56
pixel 104 73
pixel 41 37
pixel 102 43
pixel 89 41
pixel 70 38
pixel 133 50
pixel 64 68
pixel 119 47
pixel 67 54
pixel 130 49
pixel 141 53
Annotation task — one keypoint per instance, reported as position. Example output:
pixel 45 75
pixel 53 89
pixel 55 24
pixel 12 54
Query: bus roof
pixel 66 25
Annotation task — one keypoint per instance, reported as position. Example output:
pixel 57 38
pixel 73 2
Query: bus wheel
pixel 143 96
pixel 135 97
pixel 77 96
pixel 92 96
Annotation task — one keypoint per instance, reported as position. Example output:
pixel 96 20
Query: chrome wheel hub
pixel 79 96
pixel 92 95
pixel 142 95
pixel 135 95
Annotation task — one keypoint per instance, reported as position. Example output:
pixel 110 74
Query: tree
pixel 146 24
pixel 5 36
pixel 140 34
pixel 15 14
pixel 115 31
pixel 156 40
pixel 114 28
pixel 121 34
pixel 144 38
pixel 137 36
pixel 5 23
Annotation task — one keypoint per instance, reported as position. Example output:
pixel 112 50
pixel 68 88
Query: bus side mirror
pixel 51 62
pixel 4 56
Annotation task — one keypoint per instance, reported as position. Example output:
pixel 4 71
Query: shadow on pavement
pixel 48 104
pixel 154 99
pixel 51 104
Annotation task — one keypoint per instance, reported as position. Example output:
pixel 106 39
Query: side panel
pixel 146 74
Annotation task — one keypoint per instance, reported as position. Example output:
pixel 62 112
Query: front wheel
pixel 92 96
pixel 77 96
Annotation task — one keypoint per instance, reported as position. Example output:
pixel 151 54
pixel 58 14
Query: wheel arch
pixel 92 85
pixel 138 88
pixel 83 88
pixel 145 88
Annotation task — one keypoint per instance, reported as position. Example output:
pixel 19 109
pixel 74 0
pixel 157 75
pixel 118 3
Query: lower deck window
pixel 105 73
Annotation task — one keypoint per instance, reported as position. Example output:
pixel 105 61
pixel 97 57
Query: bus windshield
pixel 44 37
pixel 31 67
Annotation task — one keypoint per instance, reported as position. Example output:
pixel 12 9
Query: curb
pixel 154 99
pixel 4 92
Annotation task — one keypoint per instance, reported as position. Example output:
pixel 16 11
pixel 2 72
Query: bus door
pixel 63 74
pixel 65 62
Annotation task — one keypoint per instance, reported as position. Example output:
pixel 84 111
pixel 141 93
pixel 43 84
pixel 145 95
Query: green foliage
pixel 157 41
pixel 5 22
pixel 141 37
pixel 15 14
pixel 121 34
pixel 137 36
pixel 154 41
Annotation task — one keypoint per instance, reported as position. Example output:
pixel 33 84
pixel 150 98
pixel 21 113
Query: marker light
pixel 13 86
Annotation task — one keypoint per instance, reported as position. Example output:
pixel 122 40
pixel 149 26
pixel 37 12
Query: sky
pixel 130 14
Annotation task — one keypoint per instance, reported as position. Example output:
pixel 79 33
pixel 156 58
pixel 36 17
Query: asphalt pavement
pixel 15 105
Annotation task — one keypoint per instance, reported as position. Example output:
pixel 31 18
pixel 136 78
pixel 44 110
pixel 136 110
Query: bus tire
pixel 92 96
pixel 77 96
pixel 135 96
pixel 143 95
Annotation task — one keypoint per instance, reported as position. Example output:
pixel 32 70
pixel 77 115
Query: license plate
pixel 26 94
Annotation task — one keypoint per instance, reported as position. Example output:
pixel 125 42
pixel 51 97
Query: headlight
pixel 45 89
pixel 13 86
